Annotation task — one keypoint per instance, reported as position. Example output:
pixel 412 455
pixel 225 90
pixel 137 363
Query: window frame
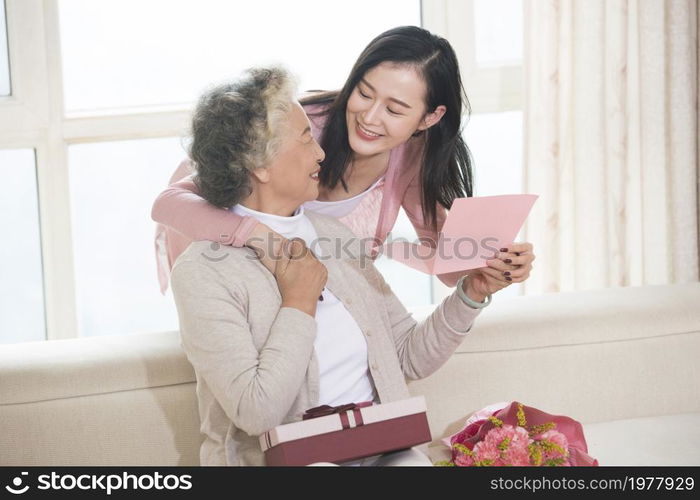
pixel 33 117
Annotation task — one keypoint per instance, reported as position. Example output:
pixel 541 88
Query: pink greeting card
pixel 475 229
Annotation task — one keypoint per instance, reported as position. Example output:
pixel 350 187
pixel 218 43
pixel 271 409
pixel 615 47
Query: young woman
pixel 392 138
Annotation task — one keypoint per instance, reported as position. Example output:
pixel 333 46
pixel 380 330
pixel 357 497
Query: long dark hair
pixel 446 166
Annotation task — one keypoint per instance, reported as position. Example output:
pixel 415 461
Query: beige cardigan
pixel 255 362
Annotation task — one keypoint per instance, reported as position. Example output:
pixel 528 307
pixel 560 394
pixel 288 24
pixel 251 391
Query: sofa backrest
pixel 595 356
pixel 131 400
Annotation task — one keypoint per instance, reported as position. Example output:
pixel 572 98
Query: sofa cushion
pixel 139 427
pixel 661 440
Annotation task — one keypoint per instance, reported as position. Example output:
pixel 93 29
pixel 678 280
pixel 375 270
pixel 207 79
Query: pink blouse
pixel 364 218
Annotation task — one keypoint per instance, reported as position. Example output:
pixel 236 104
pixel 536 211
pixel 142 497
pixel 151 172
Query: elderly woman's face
pixel 293 174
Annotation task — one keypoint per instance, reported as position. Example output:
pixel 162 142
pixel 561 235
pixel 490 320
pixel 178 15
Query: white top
pixel 340 208
pixel 340 345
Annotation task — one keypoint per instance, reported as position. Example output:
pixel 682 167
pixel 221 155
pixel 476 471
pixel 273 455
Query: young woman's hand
pixel 510 265
pixel 300 277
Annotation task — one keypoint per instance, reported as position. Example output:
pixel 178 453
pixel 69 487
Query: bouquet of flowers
pixel 515 434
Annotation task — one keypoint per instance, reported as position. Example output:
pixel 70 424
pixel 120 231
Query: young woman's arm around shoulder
pixel 181 207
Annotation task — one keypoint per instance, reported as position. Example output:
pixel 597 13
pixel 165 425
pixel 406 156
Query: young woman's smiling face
pixel 386 108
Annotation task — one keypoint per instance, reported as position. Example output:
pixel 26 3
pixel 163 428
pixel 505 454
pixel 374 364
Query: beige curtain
pixel 611 142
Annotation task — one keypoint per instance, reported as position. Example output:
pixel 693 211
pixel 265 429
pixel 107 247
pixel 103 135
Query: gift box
pixel 347 432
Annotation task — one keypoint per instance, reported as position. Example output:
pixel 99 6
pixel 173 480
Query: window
pixel 4 56
pixel 412 287
pixel 112 188
pixel 488 38
pixel 21 287
pixel 94 101
pixel 100 98
pixel 175 48
pixel 495 140
pixel 498 33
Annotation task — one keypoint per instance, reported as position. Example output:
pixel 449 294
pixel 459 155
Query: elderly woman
pixel 323 328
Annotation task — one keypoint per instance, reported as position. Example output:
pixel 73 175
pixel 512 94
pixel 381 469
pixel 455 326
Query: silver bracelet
pixel 465 298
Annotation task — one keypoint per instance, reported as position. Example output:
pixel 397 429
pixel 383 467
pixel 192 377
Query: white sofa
pixel 622 361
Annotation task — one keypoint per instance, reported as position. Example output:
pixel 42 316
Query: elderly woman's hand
pixel 267 244
pixel 510 265
pixel 300 277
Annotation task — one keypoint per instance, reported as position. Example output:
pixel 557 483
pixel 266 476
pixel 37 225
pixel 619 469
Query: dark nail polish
pixel 517 253
pixel 507 273
pixel 507 261
pixel 504 249
pixel 508 278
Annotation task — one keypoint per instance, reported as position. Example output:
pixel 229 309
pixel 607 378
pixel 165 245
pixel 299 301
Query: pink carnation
pixel 506 445
pixel 463 460
pixel 558 439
